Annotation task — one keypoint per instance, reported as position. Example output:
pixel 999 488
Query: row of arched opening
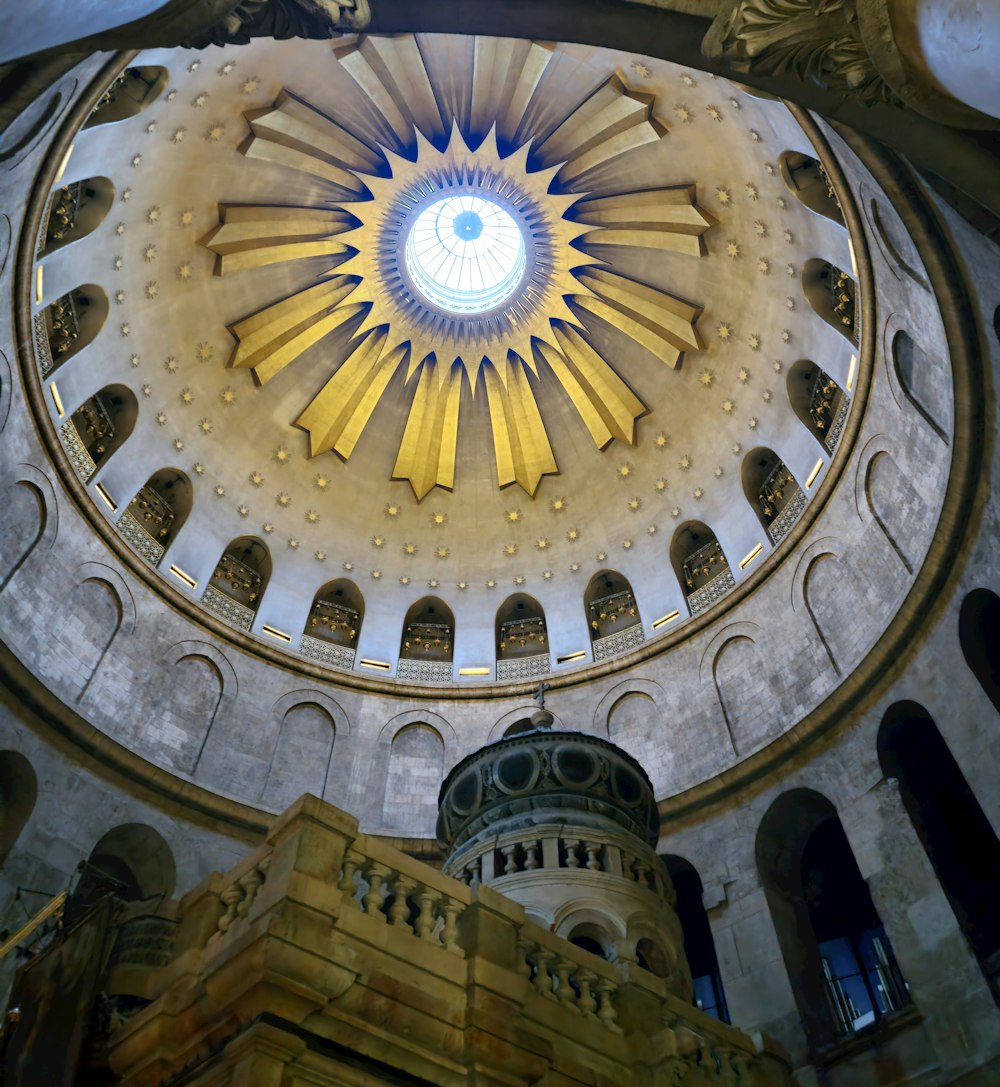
pixel 843 969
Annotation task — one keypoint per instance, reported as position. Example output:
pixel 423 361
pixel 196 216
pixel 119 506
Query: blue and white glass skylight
pixel 465 254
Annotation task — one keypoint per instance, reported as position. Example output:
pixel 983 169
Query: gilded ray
pixel 665 219
pixel 605 403
pixel 391 71
pixel 271 338
pixel 421 141
pixel 426 455
pixel 613 121
pixel 342 408
pixel 520 443
pixel 294 133
pixel 252 236
pixel 659 321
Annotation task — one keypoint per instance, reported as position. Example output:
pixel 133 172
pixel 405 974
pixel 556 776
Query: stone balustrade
pixel 620 642
pixel 239 615
pixel 82 461
pixel 706 595
pixel 325 933
pixel 144 544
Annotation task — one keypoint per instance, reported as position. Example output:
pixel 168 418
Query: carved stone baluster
pixel 606 1009
pixel 531 856
pixel 376 876
pixel 449 933
pixel 593 856
pixel 586 1002
pixel 510 859
pixel 472 868
pixel 352 862
pixel 640 868
pixel 543 979
pixel 250 882
pixel 524 949
pixel 565 993
pixel 230 898
pixel 427 917
pixel 399 911
pixel 572 857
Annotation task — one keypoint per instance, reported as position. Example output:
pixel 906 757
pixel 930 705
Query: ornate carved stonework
pixel 779 527
pixel 140 539
pixel 83 463
pixel 424 671
pixel 708 594
pixel 619 642
pixel 328 653
pixel 817 40
pixel 226 608
pixel 285 19
pixel 524 667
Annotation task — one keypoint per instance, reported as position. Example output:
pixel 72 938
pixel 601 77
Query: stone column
pixel 944 978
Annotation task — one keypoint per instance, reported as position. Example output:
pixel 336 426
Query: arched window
pixel 99 427
pixel 157 513
pixel 416 768
pixel 771 490
pixel 833 295
pixel 427 646
pixel 593 938
pixel 77 210
pixel 839 959
pixel 133 862
pixel 700 565
pixel 612 615
pixel 67 325
pixel 699 945
pixel 239 581
pixel 130 93
pixel 953 829
pixel 334 625
pixel 18 793
pixel 819 402
pixel 522 647
pixel 808 182
pixel 978 623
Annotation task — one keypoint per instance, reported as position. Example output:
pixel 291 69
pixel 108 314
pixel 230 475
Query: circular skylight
pixel 465 254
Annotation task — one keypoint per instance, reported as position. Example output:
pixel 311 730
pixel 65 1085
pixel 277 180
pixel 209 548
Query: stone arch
pixel 68 325
pixel 413 778
pixel 807 867
pixel 699 943
pixel 700 565
pixel 771 490
pixel 23 527
pixel 6 386
pixel 157 513
pixel 198 685
pixel 130 93
pixel 810 604
pixel 101 602
pixel 503 725
pixel 604 709
pixel 18 793
pixel 881 475
pixel 634 711
pixel 833 295
pixel 335 619
pixel 428 633
pixel 742 685
pixel 952 827
pixel 99 427
pixel 76 210
pixel 817 401
pixel 302 756
pixel 239 581
pixel 891 244
pixel 806 180
pixel 978 623
pixel 138 858
pixel 595 921
pixel 519 619
pixel 610 608
pixel 914 371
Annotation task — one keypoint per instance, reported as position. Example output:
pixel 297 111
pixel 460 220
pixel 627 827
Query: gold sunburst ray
pixel 376 187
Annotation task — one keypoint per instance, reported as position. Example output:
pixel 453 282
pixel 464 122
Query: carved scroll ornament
pixel 285 19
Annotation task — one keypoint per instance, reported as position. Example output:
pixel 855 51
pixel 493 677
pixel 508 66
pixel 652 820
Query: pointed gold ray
pixel 666 219
pixel 505 75
pixel 607 406
pixel 294 133
pixel 426 455
pixel 520 443
pixel 659 321
pixel 341 410
pixel 252 236
pixel 393 68
pixel 271 338
pixel 611 122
